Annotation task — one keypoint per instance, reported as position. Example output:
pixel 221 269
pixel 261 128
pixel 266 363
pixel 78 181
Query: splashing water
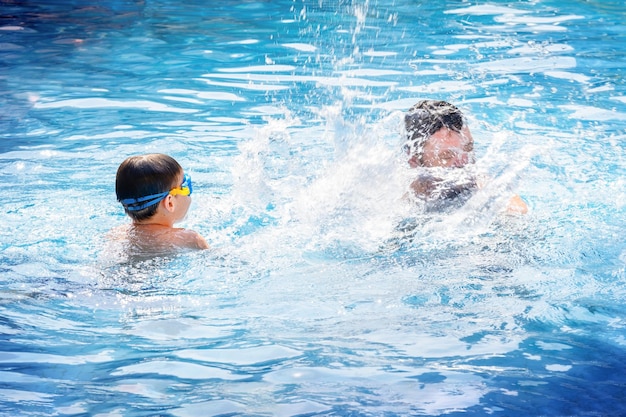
pixel 327 292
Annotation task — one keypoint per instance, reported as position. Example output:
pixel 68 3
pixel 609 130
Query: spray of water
pixel 340 189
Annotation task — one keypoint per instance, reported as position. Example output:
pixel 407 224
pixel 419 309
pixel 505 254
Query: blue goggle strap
pixel 134 204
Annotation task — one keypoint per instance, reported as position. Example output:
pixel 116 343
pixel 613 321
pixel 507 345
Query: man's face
pixel 446 148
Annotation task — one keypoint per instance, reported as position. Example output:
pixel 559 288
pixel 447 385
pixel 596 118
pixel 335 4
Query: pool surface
pixel 326 292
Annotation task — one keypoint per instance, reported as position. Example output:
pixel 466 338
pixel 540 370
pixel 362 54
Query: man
pixel 439 138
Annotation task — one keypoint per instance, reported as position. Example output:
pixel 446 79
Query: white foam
pixel 593 113
pixel 102 103
pixel 487 9
pixel 527 64
pixel 302 47
pixel 205 95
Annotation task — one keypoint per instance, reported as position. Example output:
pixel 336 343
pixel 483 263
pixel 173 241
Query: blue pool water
pixel 313 302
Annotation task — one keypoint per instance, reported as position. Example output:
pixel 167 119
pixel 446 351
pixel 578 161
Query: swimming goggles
pixel 136 204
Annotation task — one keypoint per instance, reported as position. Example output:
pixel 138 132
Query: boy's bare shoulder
pixel 189 239
pixel 117 233
pixel 159 239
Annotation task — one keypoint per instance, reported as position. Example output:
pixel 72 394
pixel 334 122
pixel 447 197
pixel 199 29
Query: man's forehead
pixel 449 139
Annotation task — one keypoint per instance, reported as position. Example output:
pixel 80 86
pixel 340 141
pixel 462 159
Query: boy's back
pixel 156 194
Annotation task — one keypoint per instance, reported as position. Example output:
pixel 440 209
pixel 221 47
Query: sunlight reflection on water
pixel 314 300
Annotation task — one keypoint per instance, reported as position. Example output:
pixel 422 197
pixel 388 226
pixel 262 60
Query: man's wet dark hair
pixel 146 175
pixel 427 117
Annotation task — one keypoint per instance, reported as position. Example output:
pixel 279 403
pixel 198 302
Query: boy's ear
pixel 168 203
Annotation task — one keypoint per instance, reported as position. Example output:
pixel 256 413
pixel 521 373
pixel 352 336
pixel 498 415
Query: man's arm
pixel 516 205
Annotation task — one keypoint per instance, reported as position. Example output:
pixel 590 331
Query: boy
pixel 155 194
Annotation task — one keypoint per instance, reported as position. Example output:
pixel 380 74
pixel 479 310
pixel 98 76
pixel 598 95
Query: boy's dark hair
pixel 145 175
pixel 427 117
